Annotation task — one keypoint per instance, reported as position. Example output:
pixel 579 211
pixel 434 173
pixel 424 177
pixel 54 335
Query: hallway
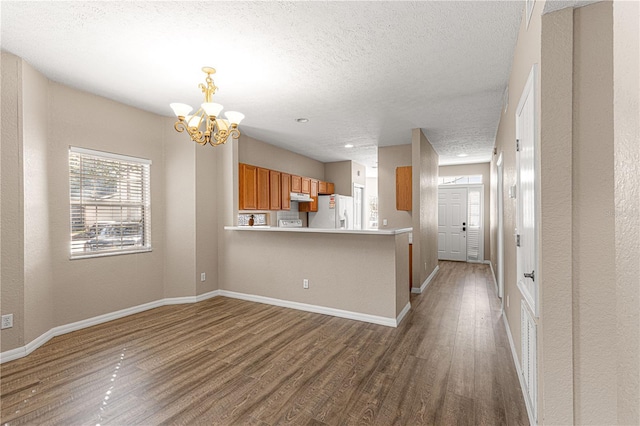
pixel 226 361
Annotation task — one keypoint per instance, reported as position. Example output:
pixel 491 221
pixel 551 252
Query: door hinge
pixel 518 145
pixel 518 240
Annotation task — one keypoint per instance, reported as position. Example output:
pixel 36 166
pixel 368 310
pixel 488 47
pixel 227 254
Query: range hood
pixel 296 196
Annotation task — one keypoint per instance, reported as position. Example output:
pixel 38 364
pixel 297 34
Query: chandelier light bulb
pixel 212 109
pixel 180 110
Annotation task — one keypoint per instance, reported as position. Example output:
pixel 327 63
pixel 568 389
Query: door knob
pixel 532 275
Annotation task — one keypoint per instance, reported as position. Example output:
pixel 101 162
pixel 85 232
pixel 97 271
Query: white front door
pixel 526 253
pixel 452 224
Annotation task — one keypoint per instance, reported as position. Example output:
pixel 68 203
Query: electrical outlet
pixel 305 283
pixel 203 276
pixel 384 222
pixel 7 321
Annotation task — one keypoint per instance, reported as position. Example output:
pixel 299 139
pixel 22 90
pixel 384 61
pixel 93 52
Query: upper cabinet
pixel 285 192
pixel 264 189
pixel 275 188
pixel 248 187
pixel 306 185
pixel 326 188
pixel 403 188
pixel 296 184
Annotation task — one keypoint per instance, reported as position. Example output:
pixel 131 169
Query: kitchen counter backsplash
pixel 258 219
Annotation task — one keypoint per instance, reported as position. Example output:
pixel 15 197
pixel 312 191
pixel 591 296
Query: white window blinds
pixel 109 202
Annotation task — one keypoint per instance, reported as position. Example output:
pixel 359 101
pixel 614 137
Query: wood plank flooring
pixel 226 362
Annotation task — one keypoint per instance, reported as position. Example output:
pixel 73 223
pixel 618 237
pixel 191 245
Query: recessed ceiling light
pixel 463 155
pixel 349 145
pixel 302 120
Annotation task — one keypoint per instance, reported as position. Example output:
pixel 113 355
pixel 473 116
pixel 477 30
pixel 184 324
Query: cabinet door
pixel 309 206
pixel 248 188
pixel 285 180
pixel 296 184
pixel 403 188
pixel 263 189
pixel 275 190
pixel 322 187
pixel 314 188
pixel 306 185
pixel 331 188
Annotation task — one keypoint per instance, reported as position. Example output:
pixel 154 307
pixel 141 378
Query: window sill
pixel 109 254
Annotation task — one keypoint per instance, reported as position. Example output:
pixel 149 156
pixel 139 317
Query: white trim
pixel 374 319
pixel 402 313
pixel 426 282
pixel 114 156
pixel 516 361
pixel 78 325
pixel 493 273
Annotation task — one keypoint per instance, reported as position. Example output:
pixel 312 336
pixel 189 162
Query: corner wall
pixel 389 158
pixel 425 207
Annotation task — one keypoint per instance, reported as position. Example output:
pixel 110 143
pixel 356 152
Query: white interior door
pixel 526 250
pixel 452 223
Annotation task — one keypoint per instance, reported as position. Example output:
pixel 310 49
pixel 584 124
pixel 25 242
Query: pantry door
pixel 452 224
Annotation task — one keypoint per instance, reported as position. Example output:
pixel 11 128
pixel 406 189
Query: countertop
pixel 320 230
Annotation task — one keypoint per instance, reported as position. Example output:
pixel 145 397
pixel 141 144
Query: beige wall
pixel 626 110
pixel 258 153
pixel 389 158
pixel 355 273
pixel 340 173
pixel 12 208
pixel 594 299
pixel 588 345
pixel 40 120
pixel 425 207
pixel 483 169
pixel 358 175
pixel 38 273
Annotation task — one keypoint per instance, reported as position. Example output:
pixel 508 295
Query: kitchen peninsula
pixel 357 274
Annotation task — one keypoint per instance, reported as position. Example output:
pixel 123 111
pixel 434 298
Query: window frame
pixel 121 225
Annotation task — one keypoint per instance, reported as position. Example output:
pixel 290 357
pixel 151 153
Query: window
pixel 110 203
pixel 459 180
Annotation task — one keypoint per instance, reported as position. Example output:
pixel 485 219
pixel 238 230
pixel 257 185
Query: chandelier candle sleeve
pixel 204 126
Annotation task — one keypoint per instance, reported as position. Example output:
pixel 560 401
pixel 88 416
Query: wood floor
pixel 226 362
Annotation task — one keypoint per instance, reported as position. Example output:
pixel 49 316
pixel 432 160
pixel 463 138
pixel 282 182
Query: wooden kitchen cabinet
pixel 313 192
pixel 275 189
pixel 306 185
pixel 296 183
pixel 285 191
pixel 262 189
pixel 325 188
pixel 403 188
pixel 248 195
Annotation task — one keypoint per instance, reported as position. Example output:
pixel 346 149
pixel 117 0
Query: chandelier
pixel 204 126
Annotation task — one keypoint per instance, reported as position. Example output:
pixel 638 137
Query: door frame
pixel 500 217
pixel 532 301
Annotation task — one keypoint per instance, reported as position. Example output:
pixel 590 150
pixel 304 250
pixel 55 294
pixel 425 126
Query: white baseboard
pixel 402 314
pixel 418 290
pixel 78 325
pixel 23 351
pixel 374 319
pixel 493 273
pixel 519 371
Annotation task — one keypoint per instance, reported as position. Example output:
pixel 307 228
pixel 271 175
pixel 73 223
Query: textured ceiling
pixel 363 73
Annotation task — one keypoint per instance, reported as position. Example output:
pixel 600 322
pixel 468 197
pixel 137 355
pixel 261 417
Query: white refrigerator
pixel 334 212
